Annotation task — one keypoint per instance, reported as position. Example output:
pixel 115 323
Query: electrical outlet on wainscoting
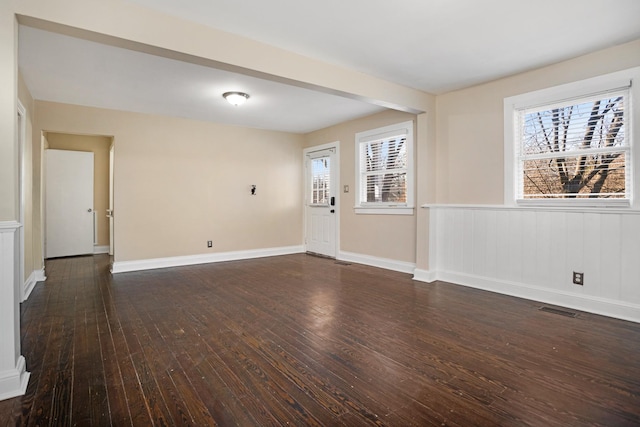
pixel 578 278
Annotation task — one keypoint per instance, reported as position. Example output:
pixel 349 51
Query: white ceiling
pixel 432 45
pixel 64 69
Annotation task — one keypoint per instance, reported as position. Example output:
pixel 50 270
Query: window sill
pixel 383 210
pixel 575 203
pixel 538 208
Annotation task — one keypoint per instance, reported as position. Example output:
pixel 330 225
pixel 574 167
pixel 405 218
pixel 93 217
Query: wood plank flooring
pixel 305 341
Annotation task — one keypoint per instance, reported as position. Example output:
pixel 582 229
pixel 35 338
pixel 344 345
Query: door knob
pixel 89 210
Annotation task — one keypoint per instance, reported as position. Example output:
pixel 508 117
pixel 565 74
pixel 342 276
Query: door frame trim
pixel 22 204
pixel 112 220
pixel 336 146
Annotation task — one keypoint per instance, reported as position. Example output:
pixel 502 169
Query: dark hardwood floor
pixel 300 340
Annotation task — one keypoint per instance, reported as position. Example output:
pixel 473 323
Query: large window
pixel 572 145
pixel 384 170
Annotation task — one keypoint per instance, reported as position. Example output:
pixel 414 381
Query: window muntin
pixel 574 149
pixel 383 170
pixel 320 180
pixel 384 174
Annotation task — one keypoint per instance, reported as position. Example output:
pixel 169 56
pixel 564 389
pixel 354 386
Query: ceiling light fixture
pixel 235 98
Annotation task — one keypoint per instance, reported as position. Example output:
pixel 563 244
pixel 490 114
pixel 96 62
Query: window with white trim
pixel 572 145
pixel 384 170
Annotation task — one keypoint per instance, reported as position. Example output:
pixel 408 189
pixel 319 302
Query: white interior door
pixel 321 202
pixel 69 203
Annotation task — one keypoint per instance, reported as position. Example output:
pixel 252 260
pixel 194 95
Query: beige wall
pixel 469 124
pixel 384 236
pixel 31 225
pixel 99 146
pixel 8 83
pixel 464 163
pixel 126 24
pixel 119 22
pixel 179 183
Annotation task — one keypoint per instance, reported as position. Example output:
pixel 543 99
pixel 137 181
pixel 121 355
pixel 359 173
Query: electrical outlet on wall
pixel 578 278
pixel 209 243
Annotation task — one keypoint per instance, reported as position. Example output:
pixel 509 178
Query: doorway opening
pixel 93 233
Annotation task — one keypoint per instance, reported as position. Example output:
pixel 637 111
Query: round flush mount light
pixel 235 98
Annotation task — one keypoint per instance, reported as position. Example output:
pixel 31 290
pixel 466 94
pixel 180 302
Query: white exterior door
pixel 69 203
pixel 320 200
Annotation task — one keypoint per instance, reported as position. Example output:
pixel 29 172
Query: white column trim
pixel 14 382
pixel 427 276
pixel 13 374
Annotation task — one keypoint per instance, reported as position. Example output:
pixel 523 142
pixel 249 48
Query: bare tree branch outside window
pixel 575 150
pixel 385 170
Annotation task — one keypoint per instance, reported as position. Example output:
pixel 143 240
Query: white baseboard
pixel 424 275
pixel 14 382
pixel 602 306
pixel 100 250
pixel 40 277
pixel 35 277
pixel 389 264
pixel 150 264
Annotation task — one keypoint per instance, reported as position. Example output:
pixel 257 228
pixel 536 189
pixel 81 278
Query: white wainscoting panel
pixel 533 252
